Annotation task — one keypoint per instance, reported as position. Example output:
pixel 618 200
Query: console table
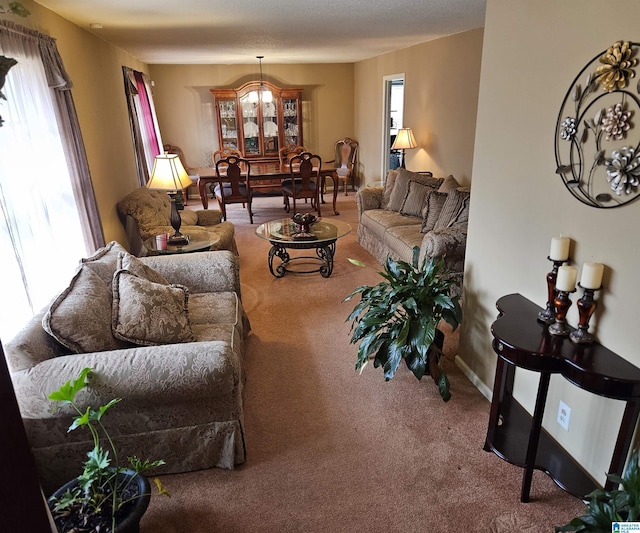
pixel 520 341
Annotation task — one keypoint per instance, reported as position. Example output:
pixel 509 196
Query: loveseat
pixel 145 213
pixel 166 334
pixel 415 209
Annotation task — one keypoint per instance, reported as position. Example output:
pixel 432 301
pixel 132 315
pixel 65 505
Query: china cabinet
pixel 258 128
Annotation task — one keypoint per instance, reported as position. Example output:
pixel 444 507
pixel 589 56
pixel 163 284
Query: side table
pixel 514 435
pixel 194 245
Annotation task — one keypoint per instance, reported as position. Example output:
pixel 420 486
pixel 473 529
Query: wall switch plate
pixel 564 414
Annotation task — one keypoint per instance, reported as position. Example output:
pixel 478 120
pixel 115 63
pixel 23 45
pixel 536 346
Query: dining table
pixel 265 176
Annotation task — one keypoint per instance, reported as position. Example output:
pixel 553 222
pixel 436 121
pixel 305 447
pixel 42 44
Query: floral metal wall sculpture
pixel 596 153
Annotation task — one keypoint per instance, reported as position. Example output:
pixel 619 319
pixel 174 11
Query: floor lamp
pixel 169 175
pixel 404 140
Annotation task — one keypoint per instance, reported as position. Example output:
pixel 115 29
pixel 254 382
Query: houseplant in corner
pixel 106 497
pixel 398 318
pixel 606 507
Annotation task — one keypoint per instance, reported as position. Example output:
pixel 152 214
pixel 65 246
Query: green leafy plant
pixel 104 489
pixel 606 507
pixel 398 318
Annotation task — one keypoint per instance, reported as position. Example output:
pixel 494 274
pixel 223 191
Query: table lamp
pixel 168 174
pixel 404 140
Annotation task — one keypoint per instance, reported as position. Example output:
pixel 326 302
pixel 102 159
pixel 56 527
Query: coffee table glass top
pixel 195 244
pixel 285 230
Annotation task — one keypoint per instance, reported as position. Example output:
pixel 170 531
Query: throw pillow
pixel 455 210
pixel 388 187
pixel 449 183
pixel 415 198
pixel 432 209
pixel 104 261
pixel 401 186
pixel 80 317
pixel 129 262
pixel 149 313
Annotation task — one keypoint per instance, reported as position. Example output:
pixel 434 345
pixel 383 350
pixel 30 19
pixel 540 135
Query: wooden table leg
pixel 336 186
pixel 203 194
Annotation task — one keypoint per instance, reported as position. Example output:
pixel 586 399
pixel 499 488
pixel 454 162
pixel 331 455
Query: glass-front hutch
pixel 257 127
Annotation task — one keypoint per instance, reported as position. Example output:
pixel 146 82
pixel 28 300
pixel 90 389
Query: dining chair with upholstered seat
pixel 287 152
pixel 346 161
pixel 234 184
pixel 305 181
pixel 224 153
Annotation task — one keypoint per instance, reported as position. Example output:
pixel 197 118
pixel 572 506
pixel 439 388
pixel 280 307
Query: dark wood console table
pixel 520 341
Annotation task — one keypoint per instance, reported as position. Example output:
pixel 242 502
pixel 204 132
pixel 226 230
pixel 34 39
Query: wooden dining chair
pixel 287 152
pixel 234 184
pixel 346 161
pixel 224 153
pixel 305 181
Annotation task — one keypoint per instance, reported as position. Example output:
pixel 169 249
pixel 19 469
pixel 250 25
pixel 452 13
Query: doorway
pixel 393 120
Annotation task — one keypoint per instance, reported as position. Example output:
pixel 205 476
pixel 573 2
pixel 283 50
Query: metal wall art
pixel 597 155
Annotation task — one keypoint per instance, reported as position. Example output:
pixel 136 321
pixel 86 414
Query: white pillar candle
pixel 559 249
pixel 566 280
pixel 591 275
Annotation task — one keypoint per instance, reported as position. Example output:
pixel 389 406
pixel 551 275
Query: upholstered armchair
pixel 145 213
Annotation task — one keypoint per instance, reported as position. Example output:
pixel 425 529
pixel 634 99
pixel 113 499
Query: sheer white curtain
pixel 41 238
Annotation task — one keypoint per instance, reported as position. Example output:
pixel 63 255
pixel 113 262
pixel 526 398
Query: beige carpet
pixel 329 450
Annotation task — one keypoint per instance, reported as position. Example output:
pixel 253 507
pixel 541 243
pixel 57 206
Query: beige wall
pixel 95 67
pixel 184 103
pixel 441 95
pixel 532 51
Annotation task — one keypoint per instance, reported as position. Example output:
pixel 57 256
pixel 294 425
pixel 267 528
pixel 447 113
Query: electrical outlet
pixel 564 415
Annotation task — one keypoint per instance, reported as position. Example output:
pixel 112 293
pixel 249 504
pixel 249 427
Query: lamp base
pixel 177 239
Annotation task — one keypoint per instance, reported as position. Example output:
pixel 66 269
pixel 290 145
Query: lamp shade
pixel 404 139
pixel 168 174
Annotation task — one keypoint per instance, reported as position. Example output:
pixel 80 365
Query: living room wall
pixel 532 51
pixel 441 96
pixel 184 103
pixel 95 67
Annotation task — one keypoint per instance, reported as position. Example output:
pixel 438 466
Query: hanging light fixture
pixel 265 94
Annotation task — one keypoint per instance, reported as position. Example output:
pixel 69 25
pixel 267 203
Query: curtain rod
pixel 24 31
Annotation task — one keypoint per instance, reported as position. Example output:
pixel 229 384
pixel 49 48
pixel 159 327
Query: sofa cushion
pixel 449 183
pixel 455 210
pixel 432 209
pixel 402 239
pixel 377 221
pixel 401 186
pixel 149 313
pixel 415 198
pixel 129 262
pixel 80 317
pixel 104 261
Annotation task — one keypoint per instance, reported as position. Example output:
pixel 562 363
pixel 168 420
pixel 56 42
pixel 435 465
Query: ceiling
pixel 284 31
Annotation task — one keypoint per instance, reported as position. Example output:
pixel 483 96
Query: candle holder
pixel 548 316
pixel 562 303
pixel 586 306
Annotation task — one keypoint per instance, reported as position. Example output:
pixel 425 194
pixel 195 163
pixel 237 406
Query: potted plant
pixel 607 507
pixel 106 497
pixel 398 318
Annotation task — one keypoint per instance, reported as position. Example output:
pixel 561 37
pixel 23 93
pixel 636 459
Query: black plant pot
pixel 128 520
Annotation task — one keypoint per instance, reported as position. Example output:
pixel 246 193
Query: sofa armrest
pixel 215 271
pixel 369 198
pixel 209 217
pixel 451 242
pixel 141 375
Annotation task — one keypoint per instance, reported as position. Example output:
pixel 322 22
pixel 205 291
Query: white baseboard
pixel 473 378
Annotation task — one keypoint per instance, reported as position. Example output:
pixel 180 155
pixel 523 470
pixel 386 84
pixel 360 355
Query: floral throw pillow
pixel 149 313
pixel 129 262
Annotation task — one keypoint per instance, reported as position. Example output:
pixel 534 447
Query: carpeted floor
pixel 329 450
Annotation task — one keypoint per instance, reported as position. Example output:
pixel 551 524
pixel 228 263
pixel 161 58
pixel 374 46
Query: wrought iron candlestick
pixel 586 306
pixel 562 303
pixel 548 316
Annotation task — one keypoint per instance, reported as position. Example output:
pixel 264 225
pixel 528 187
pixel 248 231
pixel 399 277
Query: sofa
pixel 145 213
pixel 164 333
pixel 415 209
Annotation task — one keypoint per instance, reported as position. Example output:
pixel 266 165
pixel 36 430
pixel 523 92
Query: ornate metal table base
pixel 324 257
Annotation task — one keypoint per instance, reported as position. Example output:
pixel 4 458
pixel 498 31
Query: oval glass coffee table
pixel 284 234
pixel 196 243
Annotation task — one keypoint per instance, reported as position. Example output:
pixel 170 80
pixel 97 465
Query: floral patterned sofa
pixel 166 334
pixel 145 213
pixel 415 209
